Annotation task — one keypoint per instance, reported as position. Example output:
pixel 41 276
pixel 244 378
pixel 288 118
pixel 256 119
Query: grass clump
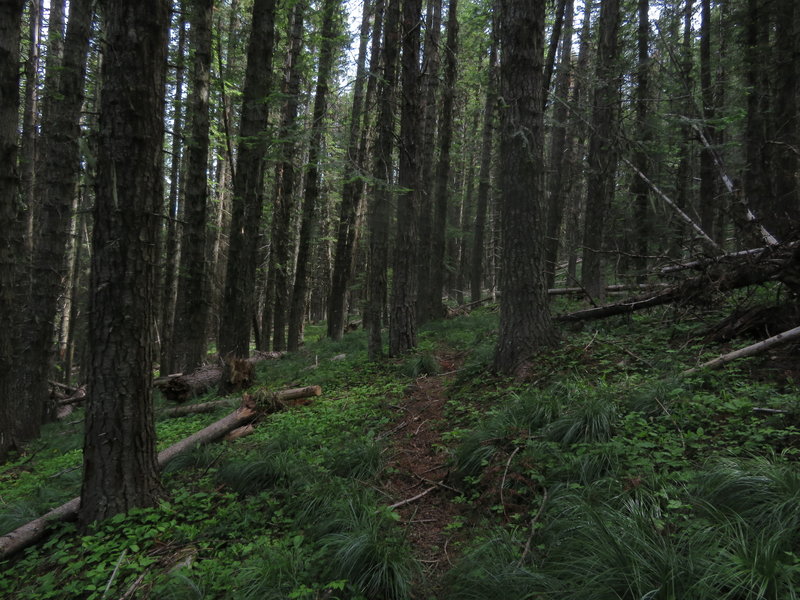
pixel 367 552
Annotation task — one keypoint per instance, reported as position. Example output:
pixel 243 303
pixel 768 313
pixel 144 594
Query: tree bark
pixel 173 211
pixel 639 187
pixel 120 470
pixel 427 195
pixel 191 307
pixel 442 185
pixel 756 186
pixel 525 324
pixel 557 185
pixel 238 304
pixel 602 148
pixel 297 311
pixel 28 143
pixel 379 216
pixel 403 318
pixel 56 183
pixel 484 174
pixel 276 303
pixel 785 159
pixel 353 180
pixel 11 229
pixel 708 178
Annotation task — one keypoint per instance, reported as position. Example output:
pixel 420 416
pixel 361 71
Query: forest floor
pixel 419 466
pixel 602 473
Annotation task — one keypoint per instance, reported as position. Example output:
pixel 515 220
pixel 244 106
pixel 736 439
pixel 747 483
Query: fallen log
pixel 776 340
pixel 79 395
pixel 611 289
pixel 267 399
pixel 192 409
pixel 28 534
pixel 242 415
pixel 185 386
pixel 768 267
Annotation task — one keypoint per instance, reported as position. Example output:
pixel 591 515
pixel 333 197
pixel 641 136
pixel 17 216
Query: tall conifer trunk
pixel 602 161
pixel 11 230
pixel 378 211
pixel 191 307
pixel 297 310
pixel 525 325
pixel 403 315
pixel 238 303
pixel 119 454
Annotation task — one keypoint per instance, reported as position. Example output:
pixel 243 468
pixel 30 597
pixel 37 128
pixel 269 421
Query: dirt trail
pixel 418 468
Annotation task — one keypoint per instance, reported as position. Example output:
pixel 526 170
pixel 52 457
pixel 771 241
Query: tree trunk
pixel 639 188
pixel 353 182
pixel 276 303
pixel 484 174
pixel 785 159
pixel 552 49
pixel 120 470
pixel 683 174
pixel 11 229
pixel 602 148
pixel 57 178
pixel 442 189
pixel 379 216
pixel 191 309
pixel 403 319
pixel 172 234
pixel 238 303
pixel 427 197
pixel 297 312
pixel 525 325
pixel 28 144
pixel 228 60
pixel 558 185
pixel 756 186
pixel 708 177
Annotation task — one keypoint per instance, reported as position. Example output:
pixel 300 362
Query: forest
pixel 399 299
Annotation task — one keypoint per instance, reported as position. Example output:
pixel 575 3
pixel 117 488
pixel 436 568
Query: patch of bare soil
pixel 418 469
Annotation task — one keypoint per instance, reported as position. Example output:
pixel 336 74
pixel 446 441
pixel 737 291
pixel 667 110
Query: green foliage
pixel 603 476
pixel 492 569
pixel 419 365
pixel 367 552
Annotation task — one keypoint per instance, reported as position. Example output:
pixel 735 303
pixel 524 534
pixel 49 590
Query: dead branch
pixel 412 499
pixel 703 235
pixel 762 346
pixel 770 266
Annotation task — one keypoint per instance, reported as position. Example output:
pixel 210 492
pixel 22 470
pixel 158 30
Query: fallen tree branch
pixel 412 499
pixel 698 230
pixel 757 348
pixel 191 409
pixel 702 262
pixel 719 280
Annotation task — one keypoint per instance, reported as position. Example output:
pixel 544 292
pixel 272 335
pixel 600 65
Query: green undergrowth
pixel 604 474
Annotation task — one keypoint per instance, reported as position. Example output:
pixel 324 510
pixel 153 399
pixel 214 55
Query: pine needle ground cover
pixel 603 474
